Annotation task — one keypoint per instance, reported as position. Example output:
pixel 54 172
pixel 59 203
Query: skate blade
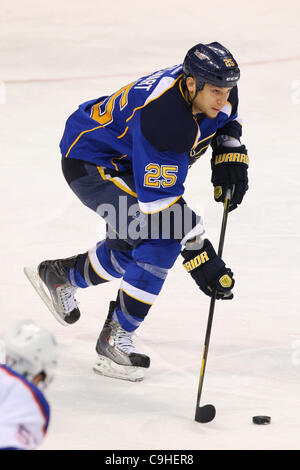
pixel 36 282
pixel 105 366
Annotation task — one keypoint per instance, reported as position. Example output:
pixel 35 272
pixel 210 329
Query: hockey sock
pixel 98 265
pixel 138 290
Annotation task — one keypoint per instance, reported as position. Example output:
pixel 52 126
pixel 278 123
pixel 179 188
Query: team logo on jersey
pixel 199 149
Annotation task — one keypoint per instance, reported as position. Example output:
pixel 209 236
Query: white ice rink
pixel 56 55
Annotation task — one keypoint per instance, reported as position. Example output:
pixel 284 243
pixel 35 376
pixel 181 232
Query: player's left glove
pixel 209 271
pixel 230 170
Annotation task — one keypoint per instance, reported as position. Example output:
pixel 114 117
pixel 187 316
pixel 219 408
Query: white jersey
pixel 24 412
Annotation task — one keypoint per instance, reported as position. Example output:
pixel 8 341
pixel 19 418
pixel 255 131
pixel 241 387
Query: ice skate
pixel 51 278
pixel 117 356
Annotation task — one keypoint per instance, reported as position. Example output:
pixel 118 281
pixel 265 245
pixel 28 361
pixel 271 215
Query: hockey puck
pixel 261 419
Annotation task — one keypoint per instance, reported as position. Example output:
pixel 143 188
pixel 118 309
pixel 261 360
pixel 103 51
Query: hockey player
pixel 24 410
pixel 126 156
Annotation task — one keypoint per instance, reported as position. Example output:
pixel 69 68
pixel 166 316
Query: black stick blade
pixel 205 414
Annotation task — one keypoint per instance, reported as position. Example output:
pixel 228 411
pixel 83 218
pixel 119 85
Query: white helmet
pixel 31 350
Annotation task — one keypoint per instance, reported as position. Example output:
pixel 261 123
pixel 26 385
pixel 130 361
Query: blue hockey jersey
pixel 147 127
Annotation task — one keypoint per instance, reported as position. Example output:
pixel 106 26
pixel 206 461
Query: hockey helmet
pixel 31 350
pixel 211 63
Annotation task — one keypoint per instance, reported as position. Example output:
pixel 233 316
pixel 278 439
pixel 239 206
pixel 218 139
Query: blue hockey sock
pixel 98 265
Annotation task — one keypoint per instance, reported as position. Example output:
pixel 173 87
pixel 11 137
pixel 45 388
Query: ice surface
pixel 47 48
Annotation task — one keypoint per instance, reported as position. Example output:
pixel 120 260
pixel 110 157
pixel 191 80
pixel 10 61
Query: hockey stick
pixel 206 413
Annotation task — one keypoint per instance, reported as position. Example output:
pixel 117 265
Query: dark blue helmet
pixel 211 63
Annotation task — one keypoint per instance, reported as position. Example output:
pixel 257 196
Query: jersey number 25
pixel 160 175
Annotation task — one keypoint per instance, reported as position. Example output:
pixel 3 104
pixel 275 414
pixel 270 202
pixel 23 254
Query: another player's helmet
pixel 211 63
pixel 31 350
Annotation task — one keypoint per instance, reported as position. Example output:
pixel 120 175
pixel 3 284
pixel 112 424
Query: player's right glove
pixel 209 271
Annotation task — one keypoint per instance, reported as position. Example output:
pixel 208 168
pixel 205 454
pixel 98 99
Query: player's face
pixel 210 100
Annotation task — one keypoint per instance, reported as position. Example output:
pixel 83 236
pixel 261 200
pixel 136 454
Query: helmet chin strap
pixel 189 98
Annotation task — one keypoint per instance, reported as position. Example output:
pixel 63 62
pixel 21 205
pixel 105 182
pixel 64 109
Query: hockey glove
pixel 209 271
pixel 230 170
